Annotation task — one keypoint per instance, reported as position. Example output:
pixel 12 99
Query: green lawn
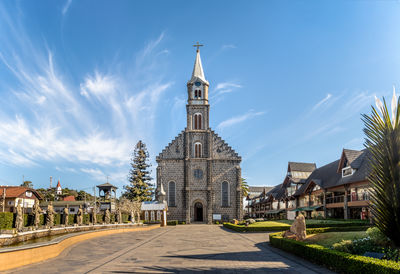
pixel 326 221
pixel 270 224
pixel 329 238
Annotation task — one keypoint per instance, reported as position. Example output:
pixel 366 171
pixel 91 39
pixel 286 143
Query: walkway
pixel 180 249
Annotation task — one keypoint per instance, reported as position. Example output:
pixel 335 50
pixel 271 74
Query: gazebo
pixel 108 195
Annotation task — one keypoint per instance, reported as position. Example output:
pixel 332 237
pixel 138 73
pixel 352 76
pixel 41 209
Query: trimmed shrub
pixel 335 260
pixel 125 218
pixel 182 223
pixel 6 220
pixel 172 222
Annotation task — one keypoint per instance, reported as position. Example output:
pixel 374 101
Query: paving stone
pixel 180 249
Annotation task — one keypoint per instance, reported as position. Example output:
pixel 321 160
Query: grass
pixel 325 221
pixel 329 238
pixel 269 224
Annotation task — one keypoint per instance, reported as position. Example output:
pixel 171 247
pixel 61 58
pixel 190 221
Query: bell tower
pixel 197 87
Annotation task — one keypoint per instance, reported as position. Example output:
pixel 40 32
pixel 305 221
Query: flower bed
pixel 338 261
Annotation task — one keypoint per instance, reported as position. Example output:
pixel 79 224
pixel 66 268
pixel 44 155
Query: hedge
pixel 335 260
pixel 172 222
pixel 6 220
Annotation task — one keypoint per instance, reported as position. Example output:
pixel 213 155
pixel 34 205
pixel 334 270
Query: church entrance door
pixel 198 212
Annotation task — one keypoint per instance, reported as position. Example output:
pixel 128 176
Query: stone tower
pixel 199 171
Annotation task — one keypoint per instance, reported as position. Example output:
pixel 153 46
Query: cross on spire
pixel 198 46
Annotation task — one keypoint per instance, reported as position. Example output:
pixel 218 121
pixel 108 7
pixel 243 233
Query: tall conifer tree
pixel 139 188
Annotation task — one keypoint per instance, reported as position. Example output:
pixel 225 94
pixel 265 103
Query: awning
pixel 307 208
pixel 311 208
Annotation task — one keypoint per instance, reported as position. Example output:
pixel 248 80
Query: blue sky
pixel 82 81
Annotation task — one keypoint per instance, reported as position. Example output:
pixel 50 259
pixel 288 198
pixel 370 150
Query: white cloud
pixel 228 46
pixel 323 101
pixel 66 7
pixel 97 85
pixel 238 119
pixel 224 87
pixel 54 124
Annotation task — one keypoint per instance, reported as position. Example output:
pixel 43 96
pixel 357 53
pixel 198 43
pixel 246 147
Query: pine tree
pixel 140 188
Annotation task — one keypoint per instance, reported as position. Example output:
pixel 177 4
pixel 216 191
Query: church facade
pixel 199 172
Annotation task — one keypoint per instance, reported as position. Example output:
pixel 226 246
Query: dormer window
pixel 347 171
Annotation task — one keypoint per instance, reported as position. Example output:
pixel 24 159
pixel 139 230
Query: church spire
pixel 198 73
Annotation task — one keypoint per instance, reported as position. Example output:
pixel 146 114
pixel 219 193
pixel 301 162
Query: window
pixel 197 121
pixel 72 209
pixel 225 193
pixel 171 194
pixel 347 171
pixel 152 215
pixel 158 215
pixel 146 215
pixel 197 94
pixel 197 150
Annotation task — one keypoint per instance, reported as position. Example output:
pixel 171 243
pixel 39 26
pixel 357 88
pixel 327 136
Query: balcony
pixel 358 197
pixel 334 200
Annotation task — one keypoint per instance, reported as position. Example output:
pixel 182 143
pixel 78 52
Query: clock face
pixel 197 84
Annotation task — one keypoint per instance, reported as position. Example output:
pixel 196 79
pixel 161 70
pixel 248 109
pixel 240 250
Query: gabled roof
pixel 221 150
pixel 17 191
pixel 354 158
pixel 305 167
pixel 328 177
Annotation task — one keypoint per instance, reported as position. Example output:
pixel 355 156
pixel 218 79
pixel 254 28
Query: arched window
pixel 197 150
pixel 197 121
pixel 195 94
pixel 225 193
pixel 199 94
pixel 171 194
pixel 158 215
pixel 146 215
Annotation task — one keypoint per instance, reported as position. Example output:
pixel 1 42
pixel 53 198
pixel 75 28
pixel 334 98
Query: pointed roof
pixel 58 184
pixel 198 73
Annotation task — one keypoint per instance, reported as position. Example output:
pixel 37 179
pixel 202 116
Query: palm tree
pixel 245 188
pixel 383 142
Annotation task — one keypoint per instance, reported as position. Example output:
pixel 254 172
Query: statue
pixel 118 215
pixel 94 214
pixel 50 215
pixel 36 211
pixel 107 216
pixel 79 215
pixel 65 215
pixel 19 220
pixel 297 230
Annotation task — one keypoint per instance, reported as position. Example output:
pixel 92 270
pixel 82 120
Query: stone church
pixel 199 172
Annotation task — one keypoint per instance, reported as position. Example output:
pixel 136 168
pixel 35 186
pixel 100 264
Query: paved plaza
pixel 180 249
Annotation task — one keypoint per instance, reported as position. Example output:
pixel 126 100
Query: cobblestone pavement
pixel 180 249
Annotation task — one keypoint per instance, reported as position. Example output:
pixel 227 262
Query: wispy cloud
pixel 228 46
pixel 58 122
pixel 238 119
pixel 66 7
pixel 223 88
pixel 323 101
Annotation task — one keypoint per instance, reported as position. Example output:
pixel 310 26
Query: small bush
pixel 182 223
pixel 172 222
pixel 343 246
pixel 6 220
pixel 378 237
